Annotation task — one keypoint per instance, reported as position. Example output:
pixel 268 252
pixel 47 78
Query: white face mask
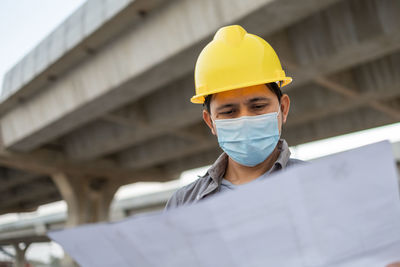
pixel 249 140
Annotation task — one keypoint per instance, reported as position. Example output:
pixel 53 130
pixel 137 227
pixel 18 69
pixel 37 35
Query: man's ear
pixel 285 107
pixel 207 119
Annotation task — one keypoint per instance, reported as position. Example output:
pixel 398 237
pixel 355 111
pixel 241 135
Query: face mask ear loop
pixel 279 110
pixel 280 86
pixel 215 126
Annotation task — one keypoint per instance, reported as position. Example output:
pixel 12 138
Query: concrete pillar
pixel 88 200
pixel 20 250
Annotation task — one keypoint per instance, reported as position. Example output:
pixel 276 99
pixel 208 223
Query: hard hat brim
pixel 200 98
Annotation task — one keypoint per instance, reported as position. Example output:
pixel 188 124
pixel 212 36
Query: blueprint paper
pixel 342 210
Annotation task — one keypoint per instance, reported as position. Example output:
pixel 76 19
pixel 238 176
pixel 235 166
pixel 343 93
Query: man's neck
pixel 239 174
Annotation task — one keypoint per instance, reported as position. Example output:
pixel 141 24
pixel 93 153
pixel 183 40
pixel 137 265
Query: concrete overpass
pixel 104 100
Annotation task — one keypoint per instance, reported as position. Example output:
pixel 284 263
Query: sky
pixel 24 23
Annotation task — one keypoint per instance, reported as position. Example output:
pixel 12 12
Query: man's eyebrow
pixel 230 105
pixel 256 99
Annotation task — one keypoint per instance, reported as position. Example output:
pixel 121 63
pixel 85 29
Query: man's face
pixel 248 101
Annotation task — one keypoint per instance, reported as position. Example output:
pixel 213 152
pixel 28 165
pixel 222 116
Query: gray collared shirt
pixel 226 185
pixel 210 183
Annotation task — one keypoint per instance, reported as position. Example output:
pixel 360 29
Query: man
pixel 238 79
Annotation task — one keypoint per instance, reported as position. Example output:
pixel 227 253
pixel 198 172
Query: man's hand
pixel 394 264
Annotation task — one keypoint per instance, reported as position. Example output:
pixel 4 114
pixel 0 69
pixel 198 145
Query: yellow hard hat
pixel 235 59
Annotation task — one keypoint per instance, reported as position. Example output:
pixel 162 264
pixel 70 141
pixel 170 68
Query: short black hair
pixel 274 87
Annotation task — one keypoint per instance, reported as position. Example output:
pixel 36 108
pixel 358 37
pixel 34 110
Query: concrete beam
pixel 29 239
pixel 337 124
pixel 12 178
pixel 49 162
pixel 31 205
pixel 105 82
pixel 27 193
pixel 315 114
pixel 196 160
pixel 29 187
pixel 366 85
pixel 160 150
pixel 86 31
pixel 339 38
pixel 164 112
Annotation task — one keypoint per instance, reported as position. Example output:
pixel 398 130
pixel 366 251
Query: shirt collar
pixel 217 170
pixel 284 155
